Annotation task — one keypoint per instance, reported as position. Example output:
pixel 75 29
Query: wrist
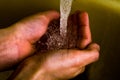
pixel 30 74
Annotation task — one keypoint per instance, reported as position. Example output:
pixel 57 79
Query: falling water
pixel 58 36
pixel 65 8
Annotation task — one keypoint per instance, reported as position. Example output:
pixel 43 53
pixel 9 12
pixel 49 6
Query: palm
pixel 16 41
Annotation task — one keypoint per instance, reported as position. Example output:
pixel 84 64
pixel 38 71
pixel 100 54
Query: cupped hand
pixel 16 41
pixel 56 65
pixel 61 64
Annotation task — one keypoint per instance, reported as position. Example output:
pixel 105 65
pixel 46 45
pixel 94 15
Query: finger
pixel 32 28
pixel 84 33
pixel 93 46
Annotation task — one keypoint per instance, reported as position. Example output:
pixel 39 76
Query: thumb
pixel 32 28
pixel 82 58
pixel 91 54
pixel 84 29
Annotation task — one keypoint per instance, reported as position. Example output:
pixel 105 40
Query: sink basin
pixel 105 27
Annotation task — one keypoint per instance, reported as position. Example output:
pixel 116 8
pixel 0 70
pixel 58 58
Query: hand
pixel 61 64
pixel 16 41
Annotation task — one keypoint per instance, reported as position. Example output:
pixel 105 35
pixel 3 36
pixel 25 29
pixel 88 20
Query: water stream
pixel 65 8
